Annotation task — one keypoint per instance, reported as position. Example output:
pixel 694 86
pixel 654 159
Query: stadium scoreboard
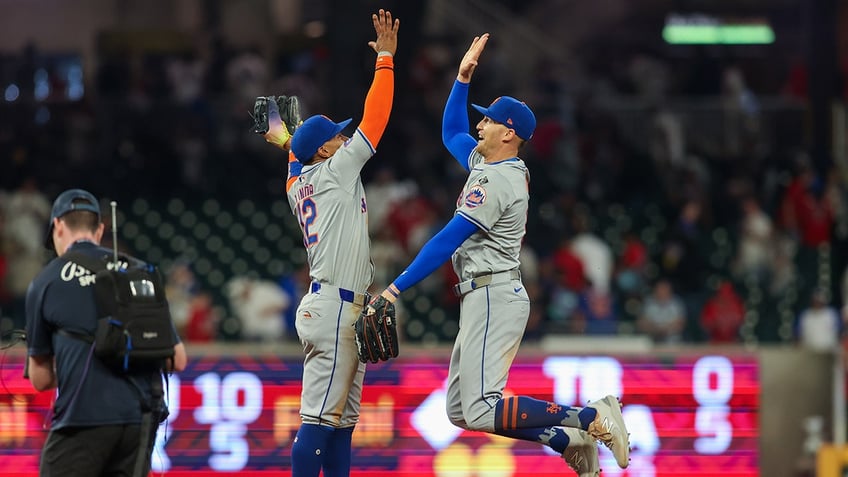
pixel 688 415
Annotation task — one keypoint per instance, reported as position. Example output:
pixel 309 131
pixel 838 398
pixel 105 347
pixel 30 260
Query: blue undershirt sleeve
pixel 455 125
pixel 436 251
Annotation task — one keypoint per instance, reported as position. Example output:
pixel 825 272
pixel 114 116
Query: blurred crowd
pixel 670 197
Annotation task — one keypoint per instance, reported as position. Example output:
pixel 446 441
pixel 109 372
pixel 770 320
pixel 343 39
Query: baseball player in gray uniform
pixel 484 238
pixel 325 192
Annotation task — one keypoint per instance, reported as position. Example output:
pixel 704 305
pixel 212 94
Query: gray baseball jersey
pixel 492 318
pixel 495 198
pixel 328 199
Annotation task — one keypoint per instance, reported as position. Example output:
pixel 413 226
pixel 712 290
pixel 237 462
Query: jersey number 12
pixel 306 213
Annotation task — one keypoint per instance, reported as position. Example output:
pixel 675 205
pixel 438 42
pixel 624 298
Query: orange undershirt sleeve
pixel 378 103
pixel 292 174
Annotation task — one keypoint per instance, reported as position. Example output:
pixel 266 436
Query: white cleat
pixel 582 453
pixel 608 427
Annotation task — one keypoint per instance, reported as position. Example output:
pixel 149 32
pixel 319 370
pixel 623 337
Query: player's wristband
pixel 393 293
pixel 384 61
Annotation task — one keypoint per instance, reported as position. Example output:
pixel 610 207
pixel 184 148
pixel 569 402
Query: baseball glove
pixel 276 118
pixel 376 332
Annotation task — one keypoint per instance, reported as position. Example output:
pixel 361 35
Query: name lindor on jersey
pixel 304 192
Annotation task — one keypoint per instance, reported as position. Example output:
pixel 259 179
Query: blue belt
pixel 346 295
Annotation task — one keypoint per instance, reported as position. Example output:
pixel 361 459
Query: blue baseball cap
pixel 312 134
pixel 513 114
pixel 65 204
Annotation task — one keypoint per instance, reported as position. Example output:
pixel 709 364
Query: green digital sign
pixel 701 29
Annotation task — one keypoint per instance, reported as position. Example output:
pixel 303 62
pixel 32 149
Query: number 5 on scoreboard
pixel 228 405
pixel 712 388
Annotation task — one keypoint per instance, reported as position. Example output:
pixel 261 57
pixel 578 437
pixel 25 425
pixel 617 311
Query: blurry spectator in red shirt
pixel 805 213
pixel 632 266
pixel 797 80
pixel 203 319
pixel 406 216
pixel 566 279
pixel 723 314
pixel 635 253
pixel 569 268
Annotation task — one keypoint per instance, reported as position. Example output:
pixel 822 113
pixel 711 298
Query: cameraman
pixel 99 427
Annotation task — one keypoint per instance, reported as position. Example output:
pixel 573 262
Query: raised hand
pixel 277 134
pixel 469 61
pixel 386 32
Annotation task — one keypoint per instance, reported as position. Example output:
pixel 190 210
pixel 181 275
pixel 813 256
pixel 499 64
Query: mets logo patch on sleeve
pixel 475 197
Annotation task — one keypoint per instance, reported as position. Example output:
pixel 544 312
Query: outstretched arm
pixel 279 135
pixel 432 255
pixel 455 134
pixel 378 103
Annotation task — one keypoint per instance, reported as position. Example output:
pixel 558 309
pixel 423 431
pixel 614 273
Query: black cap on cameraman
pixel 65 203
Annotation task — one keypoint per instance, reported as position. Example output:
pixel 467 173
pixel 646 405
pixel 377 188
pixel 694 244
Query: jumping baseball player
pixel 484 237
pixel 326 194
